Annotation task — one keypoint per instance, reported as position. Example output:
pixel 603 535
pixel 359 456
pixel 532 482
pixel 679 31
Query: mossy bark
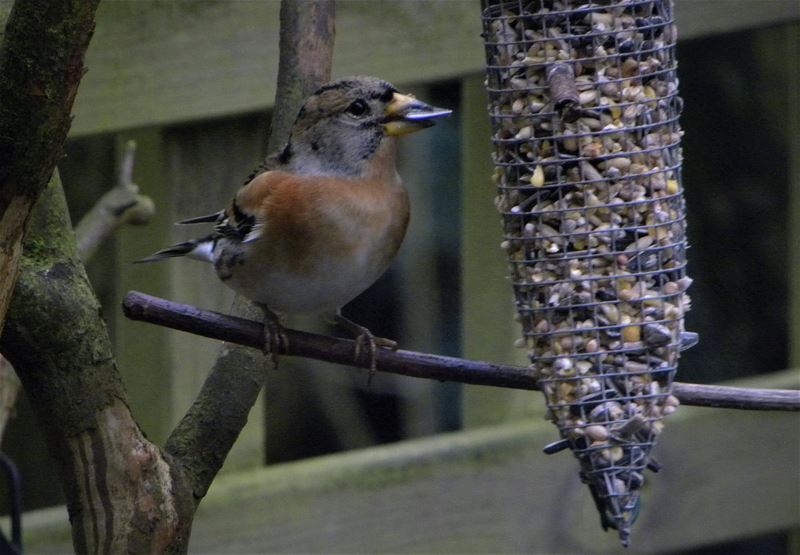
pixel 122 493
pixel 41 64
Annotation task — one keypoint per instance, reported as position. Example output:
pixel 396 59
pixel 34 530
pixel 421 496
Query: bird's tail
pixel 199 249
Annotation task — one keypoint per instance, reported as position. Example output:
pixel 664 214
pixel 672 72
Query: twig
pixel 120 205
pixel 139 306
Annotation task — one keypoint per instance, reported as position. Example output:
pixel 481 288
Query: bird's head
pixel 344 124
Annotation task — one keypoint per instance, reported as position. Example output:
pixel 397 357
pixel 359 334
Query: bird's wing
pixel 215 217
pixel 242 221
pixel 248 211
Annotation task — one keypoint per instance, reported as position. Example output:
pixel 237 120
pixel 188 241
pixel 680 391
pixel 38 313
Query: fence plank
pixel 488 328
pixel 162 62
pixel 728 474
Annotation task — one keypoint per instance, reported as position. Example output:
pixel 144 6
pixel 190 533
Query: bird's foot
pixel 275 338
pixel 365 341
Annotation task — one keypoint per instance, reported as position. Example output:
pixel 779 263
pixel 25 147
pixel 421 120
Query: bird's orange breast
pixel 334 236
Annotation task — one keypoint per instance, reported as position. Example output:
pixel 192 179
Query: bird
pixel 321 219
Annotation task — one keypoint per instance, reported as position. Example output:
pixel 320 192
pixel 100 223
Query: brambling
pixel 322 219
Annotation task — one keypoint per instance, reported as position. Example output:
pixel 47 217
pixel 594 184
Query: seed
pixel 613 454
pixel 538 176
pixel 631 334
pixel 611 312
pixel 587 97
pixel 657 335
pixel 620 163
pixel 672 186
pixel 670 288
pixel 570 144
pixel 524 133
pixel 583 366
pixel 563 366
pixel 596 433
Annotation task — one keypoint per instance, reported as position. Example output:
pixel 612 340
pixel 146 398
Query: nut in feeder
pixel 584 104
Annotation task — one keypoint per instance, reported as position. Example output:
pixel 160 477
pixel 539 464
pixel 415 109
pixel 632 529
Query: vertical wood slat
pixel 206 164
pixel 143 352
pixel 426 270
pixel 488 327
pixel 187 171
pixel 792 63
pixel 792 53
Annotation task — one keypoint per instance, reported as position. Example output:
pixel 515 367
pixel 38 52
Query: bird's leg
pixel 364 338
pixel 275 338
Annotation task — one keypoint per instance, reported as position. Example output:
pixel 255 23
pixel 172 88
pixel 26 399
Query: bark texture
pixel 306 45
pixel 122 493
pixel 41 64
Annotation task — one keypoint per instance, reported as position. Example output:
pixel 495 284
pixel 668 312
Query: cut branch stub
pixel 564 91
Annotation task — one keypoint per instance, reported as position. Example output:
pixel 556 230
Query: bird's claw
pixel 366 340
pixel 372 344
pixel 275 338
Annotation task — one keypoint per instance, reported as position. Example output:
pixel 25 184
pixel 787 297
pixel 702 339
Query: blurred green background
pixel 192 83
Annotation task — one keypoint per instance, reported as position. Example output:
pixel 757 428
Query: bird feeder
pixel 583 99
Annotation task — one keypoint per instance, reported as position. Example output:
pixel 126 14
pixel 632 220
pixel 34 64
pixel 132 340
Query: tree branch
pixel 205 435
pixel 121 493
pixel 306 46
pixel 41 65
pixel 119 205
pixel 139 306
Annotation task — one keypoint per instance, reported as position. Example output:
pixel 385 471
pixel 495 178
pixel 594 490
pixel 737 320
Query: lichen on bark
pixel 121 490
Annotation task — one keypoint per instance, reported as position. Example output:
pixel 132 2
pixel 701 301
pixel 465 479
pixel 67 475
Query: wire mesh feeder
pixel 584 107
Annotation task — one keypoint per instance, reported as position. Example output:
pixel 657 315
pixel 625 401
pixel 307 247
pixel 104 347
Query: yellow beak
pixel 405 114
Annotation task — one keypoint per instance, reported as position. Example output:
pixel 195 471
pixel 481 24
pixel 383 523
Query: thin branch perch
pixel 139 306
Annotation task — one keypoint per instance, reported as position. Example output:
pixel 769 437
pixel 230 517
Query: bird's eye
pixel 358 108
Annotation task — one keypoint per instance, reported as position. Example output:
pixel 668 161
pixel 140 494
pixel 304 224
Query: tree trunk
pixel 38 86
pixel 124 494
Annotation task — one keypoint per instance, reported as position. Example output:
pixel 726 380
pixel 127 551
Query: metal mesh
pixel 584 107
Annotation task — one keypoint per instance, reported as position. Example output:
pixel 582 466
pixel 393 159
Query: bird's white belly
pixel 325 286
